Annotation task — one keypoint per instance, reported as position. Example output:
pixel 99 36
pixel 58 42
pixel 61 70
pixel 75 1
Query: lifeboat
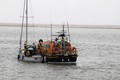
pixel 60 50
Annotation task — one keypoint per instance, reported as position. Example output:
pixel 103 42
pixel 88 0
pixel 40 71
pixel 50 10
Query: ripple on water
pixel 98 50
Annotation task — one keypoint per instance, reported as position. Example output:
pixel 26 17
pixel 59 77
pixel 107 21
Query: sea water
pixel 98 55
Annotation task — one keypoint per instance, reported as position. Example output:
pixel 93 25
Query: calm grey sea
pixel 98 50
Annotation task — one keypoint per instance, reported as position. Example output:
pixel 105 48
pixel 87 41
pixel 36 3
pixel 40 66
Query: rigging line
pixel 51 32
pixel 46 32
pixel 31 11
pixel 51 22
pixel 67 20
pixel 22 26
pixel 46 35
pixel 68 31
pixel 66 10
pixel 51 29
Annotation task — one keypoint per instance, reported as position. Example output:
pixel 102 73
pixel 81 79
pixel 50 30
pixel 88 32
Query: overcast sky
pixel 103 12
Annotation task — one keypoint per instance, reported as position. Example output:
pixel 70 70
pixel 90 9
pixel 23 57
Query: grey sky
pixel 104 12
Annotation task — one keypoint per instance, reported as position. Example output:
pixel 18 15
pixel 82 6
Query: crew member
pixel 40 46
pixel 25 44
pixel 56 43
pixel 40 49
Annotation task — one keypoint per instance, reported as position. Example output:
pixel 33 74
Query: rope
pixel 25 11
pixel 67 20
pixel 47 33
pixel 33 26
pixel 68 31
pixel 22 26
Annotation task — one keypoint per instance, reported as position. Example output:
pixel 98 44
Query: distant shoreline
pixel 58 25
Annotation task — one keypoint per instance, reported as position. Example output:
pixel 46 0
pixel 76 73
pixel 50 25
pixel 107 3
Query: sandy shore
pixel 58 25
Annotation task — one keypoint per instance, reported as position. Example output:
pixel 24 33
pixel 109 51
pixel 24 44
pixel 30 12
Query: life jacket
pixel 28 53
pixel 68 47
pixel 39 48
pixel 62 44
pixel 56 49
pixel 74 50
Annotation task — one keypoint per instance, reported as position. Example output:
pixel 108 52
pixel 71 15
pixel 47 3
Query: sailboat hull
pixel 35 58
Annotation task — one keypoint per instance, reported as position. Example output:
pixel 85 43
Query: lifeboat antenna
pixel 68 31
pixel 51 32
pixel 63 30
pixel 67 19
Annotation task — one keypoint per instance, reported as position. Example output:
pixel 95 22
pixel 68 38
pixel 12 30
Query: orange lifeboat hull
pixel 54 53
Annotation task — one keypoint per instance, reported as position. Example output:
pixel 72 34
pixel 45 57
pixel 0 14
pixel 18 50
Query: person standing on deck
pixel 56 42
pixel 25 44
pixel 40 49
pixel 40 46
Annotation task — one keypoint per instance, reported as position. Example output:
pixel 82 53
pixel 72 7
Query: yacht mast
pixel 26 22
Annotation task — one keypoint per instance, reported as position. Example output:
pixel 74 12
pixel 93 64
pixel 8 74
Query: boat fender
pixel 28 53
pixel 18 57
pixel 22 57
pixel 74 50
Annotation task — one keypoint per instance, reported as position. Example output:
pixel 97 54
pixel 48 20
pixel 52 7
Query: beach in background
pixel 59 25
